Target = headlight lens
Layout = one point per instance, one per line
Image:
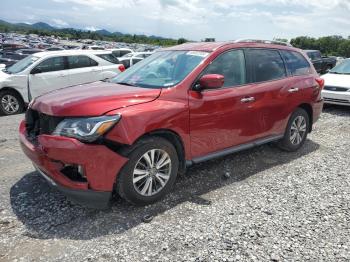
(86, 129)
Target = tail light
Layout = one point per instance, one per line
(320, 82)
(121, 68)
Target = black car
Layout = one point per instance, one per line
(321, 63)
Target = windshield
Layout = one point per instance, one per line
(22, 64)
(162, 69)
(342, 68)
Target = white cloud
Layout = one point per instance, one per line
(59, 22)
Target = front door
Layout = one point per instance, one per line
(47, 76)
(224, 117)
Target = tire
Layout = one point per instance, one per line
(10, 103)
(134, 177)
(299, 123)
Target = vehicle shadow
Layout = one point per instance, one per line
(336, 109)
(47, 214)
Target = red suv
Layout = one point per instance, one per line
(181, 106)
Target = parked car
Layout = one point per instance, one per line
(46, 71)
(337, 88)
(321, 63)
(131, 59)
(181, 106)
(119, 52)
(55, 48)
(5, 62)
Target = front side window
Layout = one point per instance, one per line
(162, 69)
(80, 61)
(231, 65)
(51, 64)
(296, 64)
(264, 65)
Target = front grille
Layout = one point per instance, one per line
(336, 88)
(38, 123)
(336, 100)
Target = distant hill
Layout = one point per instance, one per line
(73, 33)
(43, 26)
(47, 27)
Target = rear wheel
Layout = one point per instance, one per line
(150, 172)
(10, 103)
(296, 132)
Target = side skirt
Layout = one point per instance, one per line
(234, 149)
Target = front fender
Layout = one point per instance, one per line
(145, 118)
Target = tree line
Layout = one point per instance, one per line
(328, 45)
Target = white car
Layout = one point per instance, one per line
(337, 84)
(46, 71)
(133, 58)
(119, 52)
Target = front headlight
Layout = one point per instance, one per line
(86, 129)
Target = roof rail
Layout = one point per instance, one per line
(273, 42)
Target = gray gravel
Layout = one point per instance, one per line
(258, 205)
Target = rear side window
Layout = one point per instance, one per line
(110, 58)
(51, 65)
(264, 65)
(80, 61)
(296, 64)
(231, 65)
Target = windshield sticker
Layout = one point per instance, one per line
(197, 53)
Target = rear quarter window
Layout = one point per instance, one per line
(296, 63)
(264, 65)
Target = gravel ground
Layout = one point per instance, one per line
(257, 205)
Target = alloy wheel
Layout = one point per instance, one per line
(10, 104)
(298, 130)
(152, 172)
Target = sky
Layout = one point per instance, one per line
(191, 19)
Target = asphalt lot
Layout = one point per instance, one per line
(273, 206)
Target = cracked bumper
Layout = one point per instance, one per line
(100, 164)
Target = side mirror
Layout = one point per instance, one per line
(35, 71)
(211, 81)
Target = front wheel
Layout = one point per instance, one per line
(150, 172)
(296, 132)
(10, 103)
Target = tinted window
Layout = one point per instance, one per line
(124, 52)
(296, 63)
(126, 63)
(51, 64)
(80, 61)
(110, 58)
(231, 65)
(136, 60)
(265, 65)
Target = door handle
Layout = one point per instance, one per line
(293, 90)
(61, 75)
(247, 99)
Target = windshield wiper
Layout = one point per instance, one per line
(124, 83)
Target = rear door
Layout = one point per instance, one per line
(50, 74)
(224, 117)
(83, 69)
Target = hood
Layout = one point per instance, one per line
(3, 75)
(92, 99)
(337, 80)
